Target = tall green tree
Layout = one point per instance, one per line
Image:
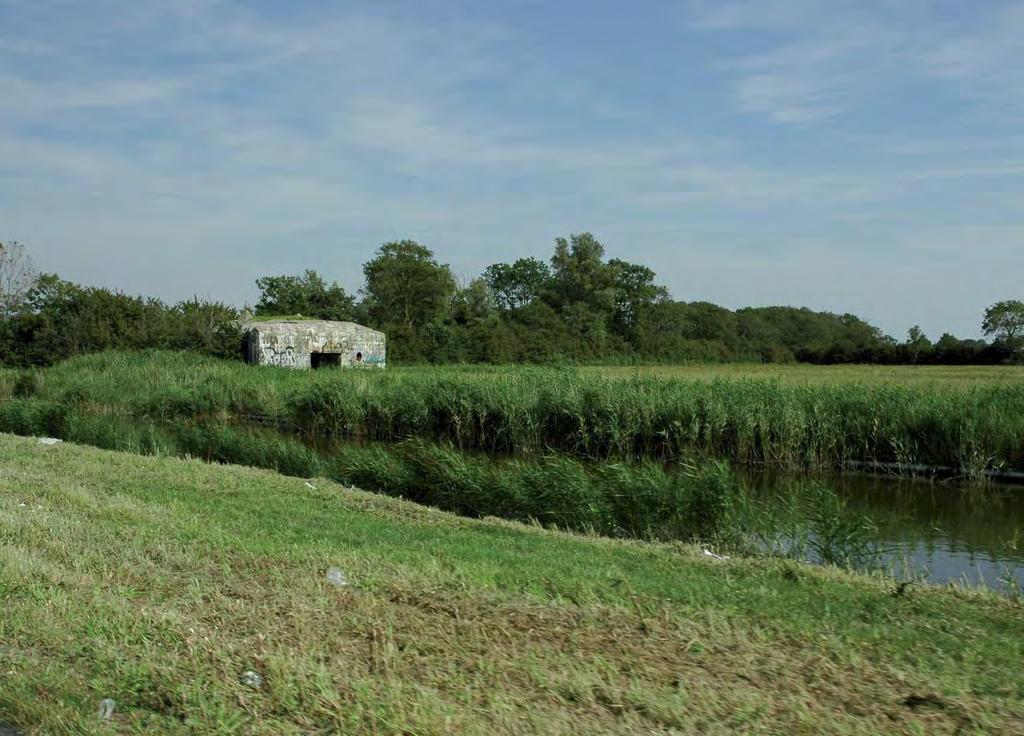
(405, 285)
(308, 295)
(580, 275)
(541, 335)
(1005, 322)
(472, 303)
(518, 284)
(917, 345)
(635, 291)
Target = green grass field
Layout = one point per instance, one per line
(903, 375)
(157, 582)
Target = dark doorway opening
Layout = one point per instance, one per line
(359, 357)
(325, 360)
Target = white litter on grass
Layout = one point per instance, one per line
(49, 441)
(106, 709)
(252, 679)
(712, 555)
(310, 486)
(336, 578)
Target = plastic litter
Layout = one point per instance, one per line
(336, 578)
(49, 441)
(712, 555)
(310, 486)
(106, 709)
(252, 679)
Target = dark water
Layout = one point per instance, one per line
(940, 532)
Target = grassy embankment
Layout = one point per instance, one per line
(158, 581)
(869, 417)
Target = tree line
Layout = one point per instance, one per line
(578, 306)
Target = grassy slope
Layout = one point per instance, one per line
(157, 581)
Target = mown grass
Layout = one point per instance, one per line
(158, 581)
(531, 410)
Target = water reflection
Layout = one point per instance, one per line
(939, 531)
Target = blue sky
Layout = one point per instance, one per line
(862, 156)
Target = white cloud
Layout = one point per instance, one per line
(22, 97)
(770, 14)
(983, 60)
(786, 98)
(824, 52)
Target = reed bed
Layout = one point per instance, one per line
(613, 499)
(709, 503)
(526, 410)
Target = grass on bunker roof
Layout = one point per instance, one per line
(157, 582)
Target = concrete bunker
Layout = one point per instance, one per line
(313, 344)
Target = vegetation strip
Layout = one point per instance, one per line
(708, 503)
(159, 582)
(577, 307)
(612, 499)
(531, 410)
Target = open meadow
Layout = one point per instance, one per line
(956, 376)
(159, 582)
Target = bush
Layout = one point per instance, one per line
(27, 384)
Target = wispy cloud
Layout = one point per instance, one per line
(983, 60)
(831, 58)
(770, 14)
(21, 97)
(787, 97)
(175, 146)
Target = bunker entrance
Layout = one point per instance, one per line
(325, 360)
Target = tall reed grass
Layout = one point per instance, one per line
(645, 500)
(526, 410)
(613, 499)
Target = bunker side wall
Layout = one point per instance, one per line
(292, 346)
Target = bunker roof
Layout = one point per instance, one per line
(321, 324)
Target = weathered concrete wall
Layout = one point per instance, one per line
(294, 343)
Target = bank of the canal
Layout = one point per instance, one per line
(932, 531)
(159, 582)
